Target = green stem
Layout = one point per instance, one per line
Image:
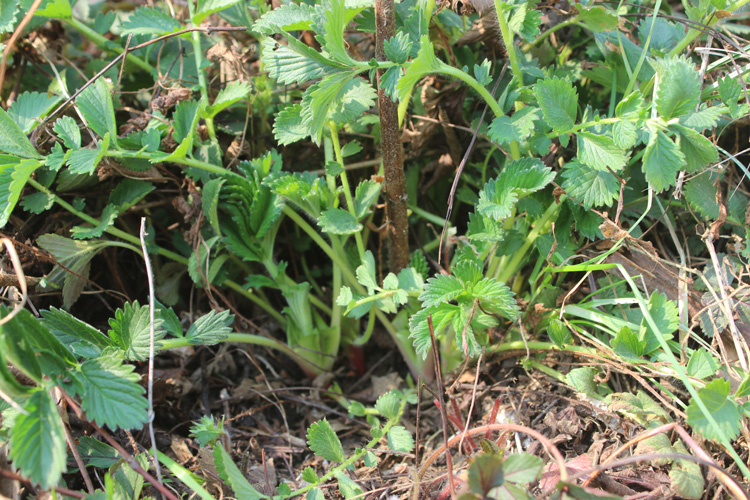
(107, 44)
(471, 82)
(190, 162)
(198, 54)
(239, 338)
(581, 126)
(546, 34)
(541, 225)
(508, 40)
(424, 214)
(345, 185)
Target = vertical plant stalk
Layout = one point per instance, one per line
(390, 142)
(151, 349)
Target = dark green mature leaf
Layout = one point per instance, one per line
(37, 203)
(150, 21)
(559, 102)
(333, 35)
(30, 107)
(95, 103)
(129, 192)
(82, 339)
(725, 411)
(338, 221)
(589, 186)
(678, 91)
(600, 152)
(131, 330)
(324, 442)
(662, 160)
(37, 441)
(13, 140)
(113, 396)
(210, 328)
(108, 217)
(699, 152)
(628, 344)
(13, 178)
(232, 475)
(518, 178)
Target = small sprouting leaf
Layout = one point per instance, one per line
(486, 473)
(399, 439)
(600, 152)
(679, 87)
(13, 140)
(232, 475)
(30, 107)
(95, 103)
(324, 442)
(482, 72)
(366, 194)
(441, 289)
(13, 178)
(150, 21)
(108, 217)
(661, 161)
(207, 430)
(208, 7)
(559, 102)
(726, 412)
(388, 404)
(232, 93)
(131, 330)
(702, 364)
(37, 441)
(113, 396)
(309, 475)
(398, 47)
(67, 129)
(81, 338)
(589, 186)
(210, 328)
(338, 221)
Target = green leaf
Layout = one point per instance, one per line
(150, 21)
(184, 114)
(687, 478)
(600, 152)
(441, 288)
(82, 339)
(8, 11)
(424, 64)
(702, 364)
(365, 195)
(678, 91)
(559, 333)
(67, 129)
(112, 395)
(338, 221)
(232, 93)
(661, 161)
(207, 430)
(699, 152)
(315, 494)
(522, 468)
(29, 108)
(289, 126)
(388, 405)
(208, 7)
(229, 472)
(630, 106)
(398, 47)
(309, 475)
(366, 272)
(597, 19)
(399, 439)
(628, 344)
(131, 330)
(107, 219)
(624, 134)
(210, 328)
(703, 119)
(37, 441)
(129, 192)
(13, 178)
(13, 140)
(589, 186)
(333, 36)
(724, 410)
(518, 127)
(485, 474)
(294, 64)
(58, 9)
(559, 102)
(37, 203)
(324, 442)
(525, 21)
(95, 103)
(85, 161)
(74, 259)
(518, 178)
(287, 17)
(348, 487)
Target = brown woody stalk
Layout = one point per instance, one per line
(393, 156)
